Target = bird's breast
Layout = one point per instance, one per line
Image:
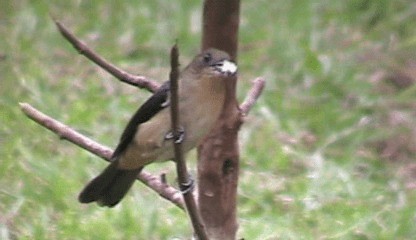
(196, 115)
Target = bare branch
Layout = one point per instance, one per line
(183, 175)
(69, 134)
(137, 81)
(252, 95)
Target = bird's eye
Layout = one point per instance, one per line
(207, 57)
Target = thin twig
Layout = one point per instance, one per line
(183, 175)
(252, 95)
(67, 133)
(135, 80)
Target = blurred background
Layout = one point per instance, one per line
(328, 152)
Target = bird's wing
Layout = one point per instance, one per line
(158, 101)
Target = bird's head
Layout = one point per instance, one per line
(214, 63)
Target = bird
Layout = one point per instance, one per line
(147, 138)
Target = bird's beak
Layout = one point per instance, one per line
(225, 67)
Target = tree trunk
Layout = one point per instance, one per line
(218, 164)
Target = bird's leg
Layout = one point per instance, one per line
(187, 186)
(177, 139)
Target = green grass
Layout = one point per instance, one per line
(315, 158)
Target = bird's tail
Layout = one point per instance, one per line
(108, 188)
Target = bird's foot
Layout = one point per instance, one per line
(187, 186)
(177, 139)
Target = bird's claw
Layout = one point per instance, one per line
(188, 186)
(177, 139)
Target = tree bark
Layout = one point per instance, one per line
(218, 156)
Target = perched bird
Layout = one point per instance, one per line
(146, 138)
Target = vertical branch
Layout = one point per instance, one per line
(220, 25)
(183, 176)
(218, 156)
